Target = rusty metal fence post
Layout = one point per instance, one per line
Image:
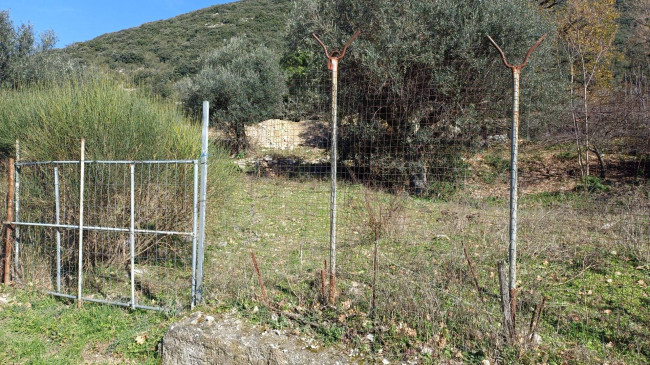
(17, 211)
(332, 64)
(514, 151)
(10, 218)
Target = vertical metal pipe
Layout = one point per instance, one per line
(82, 173)
(195, 222)
(514, 152)
(132, 235)
(17, 209)
(202, 202)
(333, 162)
(57, 206)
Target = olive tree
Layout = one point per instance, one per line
(26, 57)
(422, 81)
(244, 85)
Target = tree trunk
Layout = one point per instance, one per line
(601, 162)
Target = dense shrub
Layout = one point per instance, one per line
(50, 120)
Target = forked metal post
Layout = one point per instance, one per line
(333, 65)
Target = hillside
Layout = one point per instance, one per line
(157, 52)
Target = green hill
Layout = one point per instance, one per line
(159, 52)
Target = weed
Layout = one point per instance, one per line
(593, 184)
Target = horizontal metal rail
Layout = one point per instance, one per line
(103, 229)
(102, 301)
(156, 162)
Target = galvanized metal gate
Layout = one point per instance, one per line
(128, 233)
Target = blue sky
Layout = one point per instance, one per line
(81, 20)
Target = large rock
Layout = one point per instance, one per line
(203, 339)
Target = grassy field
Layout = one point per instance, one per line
(586, 253)
(40, 329)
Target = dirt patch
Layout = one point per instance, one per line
(100, 354)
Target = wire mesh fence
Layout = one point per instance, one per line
(423, 214)
(139, 223)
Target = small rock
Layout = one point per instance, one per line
(385, 361)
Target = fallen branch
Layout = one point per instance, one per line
(299, 319)
(534, 320)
